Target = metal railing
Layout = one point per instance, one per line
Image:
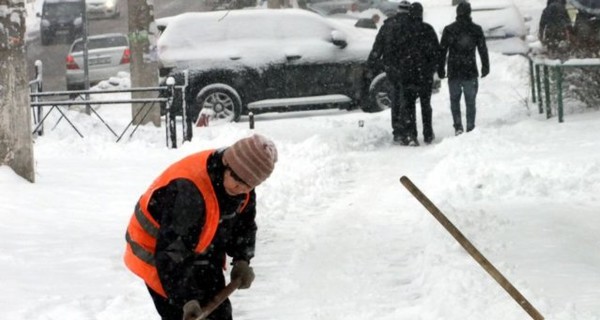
(540, 73)
(165, 96)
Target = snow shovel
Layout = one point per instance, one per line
(219, 298)
(470, 248)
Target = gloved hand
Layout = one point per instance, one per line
(241, 270)
(191, 310)
(441, 73)
(484, 71)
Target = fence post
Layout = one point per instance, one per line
(538, 81)
(189, 133)
(169, 117)
(559, 93)
(547, 91)
(39, 88)
(531, 80)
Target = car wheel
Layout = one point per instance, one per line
(380, 95)
(219, 102)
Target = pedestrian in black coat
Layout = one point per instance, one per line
(555, 27)
(420, 64)
(586, 30)
(459, 41)
(389, 49)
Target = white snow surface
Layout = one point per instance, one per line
(339, 237)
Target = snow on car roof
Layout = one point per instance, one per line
(59, 1)
(204, 38)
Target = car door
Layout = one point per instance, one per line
(257, 53)
(314, 64)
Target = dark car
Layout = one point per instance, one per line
(269, 60)
(61, 17)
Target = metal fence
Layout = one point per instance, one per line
(541, 70)
(57, 100)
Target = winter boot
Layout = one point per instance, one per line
(428, 139)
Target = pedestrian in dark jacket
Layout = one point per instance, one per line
(389, 50)
(587, 34)
(417, 79)
(555, 27)
(459, 41)
(198, 211)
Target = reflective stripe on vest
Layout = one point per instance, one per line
(143, 229)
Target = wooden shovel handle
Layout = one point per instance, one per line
(219, 298)
(470, 248)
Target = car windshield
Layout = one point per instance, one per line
(99, 43)
(62, 9)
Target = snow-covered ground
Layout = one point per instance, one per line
(339, 237)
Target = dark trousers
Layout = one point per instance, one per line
(397, 107)
(457, 87)
(169, 311)
(423, 93)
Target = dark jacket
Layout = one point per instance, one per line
(422, 53)
(459, 41)
(555, 24)
(179, 208)
(389, 44)
(587, 30)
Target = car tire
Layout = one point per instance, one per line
(380, 93)
(219, 102)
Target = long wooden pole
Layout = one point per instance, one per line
(466, 244)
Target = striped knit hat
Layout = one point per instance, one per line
(252, 159)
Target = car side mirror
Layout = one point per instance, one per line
(39, 15)
(339, 39)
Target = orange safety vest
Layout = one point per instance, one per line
(143, 229)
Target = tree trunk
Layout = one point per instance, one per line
(16, 146)
(275, 4)
(143, 66)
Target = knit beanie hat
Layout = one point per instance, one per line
(463, 9)
(252, 159)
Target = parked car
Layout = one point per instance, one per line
(108, 54)
(103, 8)
(263, 60)
(61, 17)
(332, 7)
(502, 23)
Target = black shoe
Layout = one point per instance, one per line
(398, 139)
(429, 139)
(458, 132)
(413, 142)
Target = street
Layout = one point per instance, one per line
(53, 56)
